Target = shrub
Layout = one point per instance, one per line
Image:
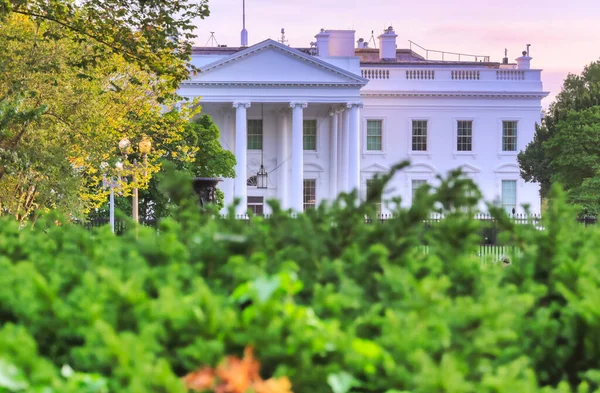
(325, 300)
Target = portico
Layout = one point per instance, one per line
(304, 117)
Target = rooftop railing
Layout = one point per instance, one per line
(450, 74)
(448, 56)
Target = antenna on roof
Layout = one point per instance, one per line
(244, 31)
(283, 40)
(372, 39)
(212, 40)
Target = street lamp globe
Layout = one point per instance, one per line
(124, 145)
(145, 145)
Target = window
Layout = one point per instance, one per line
(256, 205)
(374, 133)
(419, 135)
(509, 136)
(252, 181)
(509, 195)
(310, 134)
(464, 135)
(255, 134)
(370, 183)
(416, 184)
(310, 193)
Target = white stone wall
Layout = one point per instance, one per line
(486, 164)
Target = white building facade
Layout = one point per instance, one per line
(326, 120)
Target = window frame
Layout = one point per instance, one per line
(413, 190)
(261, 204)
(410, 136)
(516, 196)
(365, 135)
(262, 134)
(304, 196)
(379, 205)
(501, 121)
(455, 150)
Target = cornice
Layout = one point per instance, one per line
(463, 94)
(270, 84)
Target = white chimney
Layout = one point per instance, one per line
(341, 43)
(387, 44)
(322, 43)
(524, 62)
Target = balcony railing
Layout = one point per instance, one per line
(456, 78)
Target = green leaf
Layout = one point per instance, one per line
(342, 382)
(265, 287)
(11, 377)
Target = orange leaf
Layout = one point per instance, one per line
(274, 385)
(200, 380)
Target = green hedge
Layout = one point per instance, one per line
(331, 303)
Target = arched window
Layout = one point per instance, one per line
(252, 182)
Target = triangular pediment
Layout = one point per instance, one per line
(507, 168)
(376, 168)
(467, 168)
(272, 62)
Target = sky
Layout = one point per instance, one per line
(564, 35)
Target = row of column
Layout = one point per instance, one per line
(344, 153)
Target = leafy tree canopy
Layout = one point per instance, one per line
(569, 122)
(61, 117)
(198, 153)
(155, 35)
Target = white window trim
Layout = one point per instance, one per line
(412, 152)
(502, 153)
(418, 172)
(364, 150)
(517, 184)
(506, 172)
(317, 150)
(455, 151)
(364, 178)
(263, 204)
(263, 134)
(317, 182)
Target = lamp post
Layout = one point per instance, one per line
(111, 184)
(144, 147)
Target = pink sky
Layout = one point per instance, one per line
(564, 35)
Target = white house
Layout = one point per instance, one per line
(326, 119)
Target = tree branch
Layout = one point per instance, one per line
(78, 31)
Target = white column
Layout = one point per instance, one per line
(345, 151)
(282, 158)
(227, 138)
(241, 142)
(340, 151)
(354, 148)
(333, 156)
(297, 181)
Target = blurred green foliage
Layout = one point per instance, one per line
(336, 305)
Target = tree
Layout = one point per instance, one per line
(579, 93)
(199, 153)
(60, 121)
(155, 35)
(575, 152)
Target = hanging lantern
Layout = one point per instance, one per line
(261, 177)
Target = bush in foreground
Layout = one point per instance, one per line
(325, 300)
